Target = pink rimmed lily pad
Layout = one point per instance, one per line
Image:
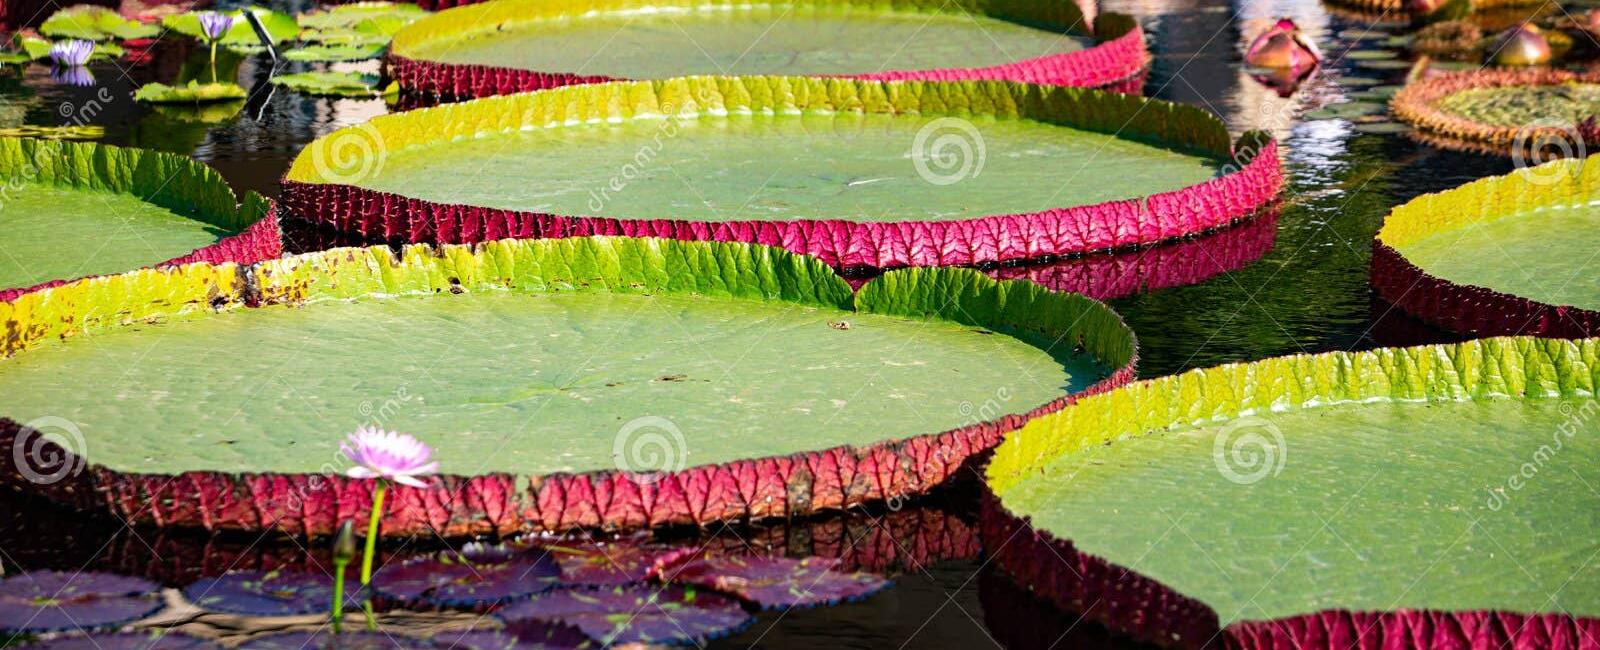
(269, 593)
(478, 579)
(135, 640)
(774, 583)
(53, 601)
(612, 565)
(633, 614)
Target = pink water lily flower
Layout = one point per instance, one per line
(214, 24)
(388, 455)
(1283, 46)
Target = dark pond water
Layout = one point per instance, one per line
(1305, 291)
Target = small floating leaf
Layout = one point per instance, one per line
(328, 53)
(610, 565)
(336, 84)
(635, 614)
(51, 601)
(349, 15)
(192, 93)
(267, 593)
(135, 640)
(325, 639)
(453, 580)
(780, 582)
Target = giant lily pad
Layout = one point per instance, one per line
(1389, 498)
(54, 601)
(269, 593)
(637, 614)
(1510, 254)
(517, 45)
(86, 209)
(675, 382)
(1520, 112)
(779, 583)
(859, 173)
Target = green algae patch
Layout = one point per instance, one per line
(1275, 499)
(1517, 106)
(689, 379)
(662, 40)
(852, 166)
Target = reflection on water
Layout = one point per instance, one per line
(1302, 289)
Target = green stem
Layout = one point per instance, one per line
(338, 593)
(213, 62)
(372, 545)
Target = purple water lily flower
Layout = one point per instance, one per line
(214, 24)
(388, 455)
(71, 53)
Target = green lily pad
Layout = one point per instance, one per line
(343, 37)
(1346, 110)
(280, 27)
(651, 39)
(93, 23)
(1448, 478)
(845, 164)
(708, 366)
(1537, 243)
(1371, 55)
(70, 132)
(349, 15)
(14, 57)
(331, 53)
(95, 209)
(647, 357)
(1382, 128)
(336, 84)
(1383, 64)
(191, 93)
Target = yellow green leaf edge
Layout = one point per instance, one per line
(468, 21)
(613, 264)
(1507, 367)
(1166, 124)
(177, 183)
(1558, 184)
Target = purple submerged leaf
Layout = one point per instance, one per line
(138, 640)
(482, 577)
(780, 582)
(270, 593)
(552, 638)
(654, 614)
(52, 601)
(616, 564)
(325, 639)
